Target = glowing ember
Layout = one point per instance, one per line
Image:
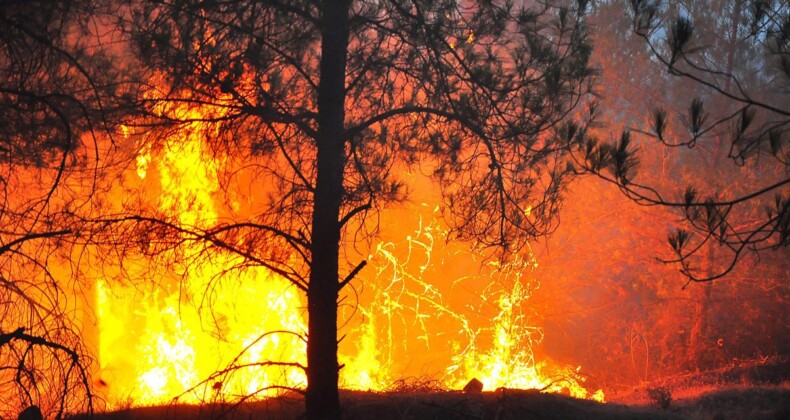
(409, 320)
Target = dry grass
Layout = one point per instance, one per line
(753, 391)
(763, 402)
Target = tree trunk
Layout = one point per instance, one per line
(700, 341)
(322, 399)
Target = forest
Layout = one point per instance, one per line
(429, 208)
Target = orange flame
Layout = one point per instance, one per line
(158, 344)
(211, 335)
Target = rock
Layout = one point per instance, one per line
(474, 387)
(31, 413)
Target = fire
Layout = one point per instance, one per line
(167, 342)
(208, 330)
(495, 347)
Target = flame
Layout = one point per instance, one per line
(210, 332)
(158, 344)
(495, 349)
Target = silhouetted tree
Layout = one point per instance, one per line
(323, 103)
(55, 82)
(742, 69)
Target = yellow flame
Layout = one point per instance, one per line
(160, 342)
(499, 353)
(157, 343)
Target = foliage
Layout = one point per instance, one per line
(56, 88)
(427, 98)
(606, 299)
(746, 124)
(321, 104)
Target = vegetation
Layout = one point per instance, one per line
(315, 116)
(58, 95)
(744, 75)
(326, 99)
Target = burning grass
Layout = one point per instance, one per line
(752, 390)
(216, 330)
(758, 389)
(731, 402)
(746, 375)
(418, 308)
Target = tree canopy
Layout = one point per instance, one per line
(58, 88)
(736, 90)
(325, 102)
(313, 115)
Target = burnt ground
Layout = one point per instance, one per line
(757, 391)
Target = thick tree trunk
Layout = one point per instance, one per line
(322, 399)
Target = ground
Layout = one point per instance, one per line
(732, 402)
(753, 391)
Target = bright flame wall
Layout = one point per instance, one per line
(211, 330)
